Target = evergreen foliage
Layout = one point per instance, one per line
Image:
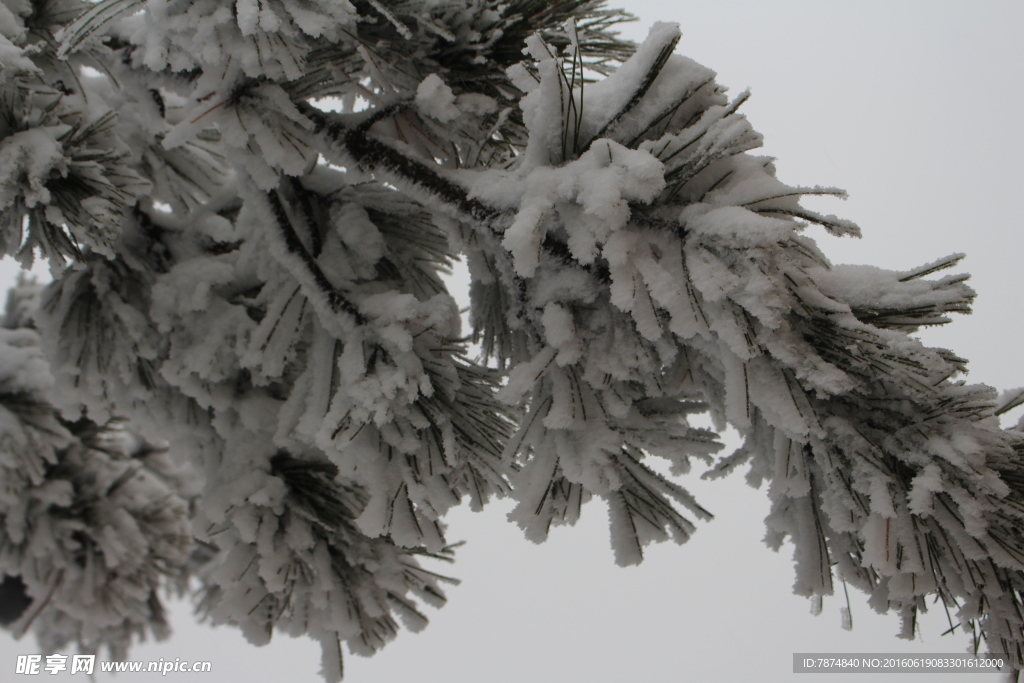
(248, 372)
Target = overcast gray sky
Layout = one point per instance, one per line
(914, 108)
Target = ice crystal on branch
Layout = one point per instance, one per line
(254, 278)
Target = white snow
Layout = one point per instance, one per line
(435, 99)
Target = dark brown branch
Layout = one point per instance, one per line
(306, 206)
(336, 299)
(372, 155)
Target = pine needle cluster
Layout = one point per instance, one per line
(249, 211)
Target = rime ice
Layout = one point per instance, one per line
(248, 372)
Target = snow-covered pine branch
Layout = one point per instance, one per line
(255, 281)
(96, 520)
